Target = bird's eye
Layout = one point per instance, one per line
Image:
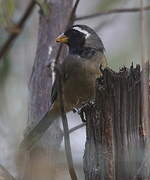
(75, 36)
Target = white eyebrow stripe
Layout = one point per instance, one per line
(87, 34)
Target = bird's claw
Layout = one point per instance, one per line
(81, 110)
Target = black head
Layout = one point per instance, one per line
(76, 39)
(79, 38)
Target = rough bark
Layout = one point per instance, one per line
(41, 160)
(116, 141)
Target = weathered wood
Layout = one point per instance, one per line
(115, 145)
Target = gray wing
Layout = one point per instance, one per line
(65, 69)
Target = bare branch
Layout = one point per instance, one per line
(31, 138)
(112, 11)
(19, 26)
(4, 174)
(66, 133)
(76, 127)
(72, 15)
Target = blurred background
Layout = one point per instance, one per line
(120, 34)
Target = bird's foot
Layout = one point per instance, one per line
(81, 110)
(81, 113)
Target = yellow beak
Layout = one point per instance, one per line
(62, 39)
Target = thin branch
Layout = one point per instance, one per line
(36, 133)
(72, 15)
(66, 133)
(19, 26)
(4, 174)
(76, 127)
(113, 11)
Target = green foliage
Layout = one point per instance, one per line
(6, 12)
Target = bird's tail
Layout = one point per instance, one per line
(36, 133)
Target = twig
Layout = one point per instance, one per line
(76, 127)
(113, 11)
(20, 26)
(35, 134)
(4, 174)
(66, 133)
(72, 15)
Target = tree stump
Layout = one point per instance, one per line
(116, 143)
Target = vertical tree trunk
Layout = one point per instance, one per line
(41, 164)
(115, 146)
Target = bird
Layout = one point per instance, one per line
(79, 71)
